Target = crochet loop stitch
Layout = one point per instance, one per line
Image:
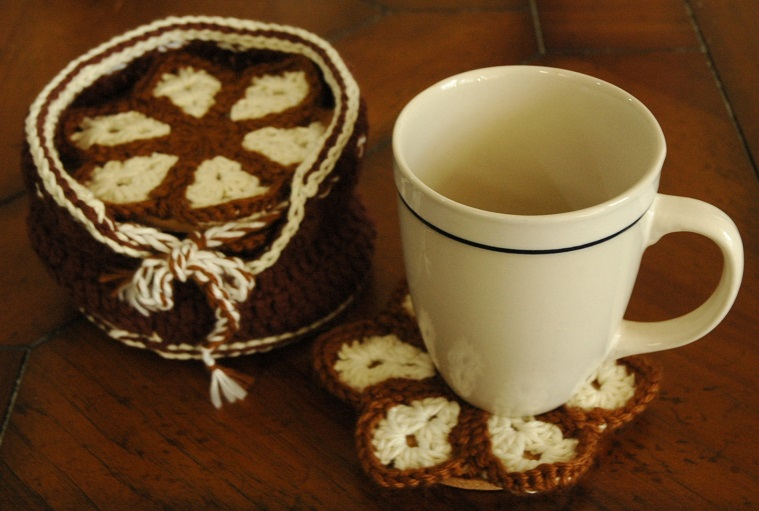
(150, 214)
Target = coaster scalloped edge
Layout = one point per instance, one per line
(413, 431)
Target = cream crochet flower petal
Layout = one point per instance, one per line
(284, 145)
(121, 182)
(221, 180)
(191, 90)
(271, 94)
(610, 387)
(116, 129)
(409, 434)
(376, 359)
(416, 435)
(524, 443)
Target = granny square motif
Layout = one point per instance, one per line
(191, 185)
(413, 431)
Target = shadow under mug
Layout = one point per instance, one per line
(527, 196)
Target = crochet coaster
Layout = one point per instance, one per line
(204, 136)
(191, 184)
(414, 431)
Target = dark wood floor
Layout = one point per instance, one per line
(87, 423)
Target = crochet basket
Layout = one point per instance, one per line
(191, 185)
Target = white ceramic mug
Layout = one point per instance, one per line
(527, 197)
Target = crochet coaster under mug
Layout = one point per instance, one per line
(413, 431)
(191, 186)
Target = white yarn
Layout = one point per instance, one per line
(525, 443)
(132, 180)
(221, 180)
(151, 289)
(375, 359)
(111, 130)
(186, 351)
(271, 94)
(361, 146)
(285, 145)
(130, 239)
(191, 90)
(610, 387)
(221, 384)
(165, 256)
(416, 435)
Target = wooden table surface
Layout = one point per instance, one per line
(88, 423)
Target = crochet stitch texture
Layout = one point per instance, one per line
(191, 186)
(412, 430)
(203, 137)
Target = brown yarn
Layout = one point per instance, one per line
(403, 393)
(645, 370)
(194, 140)
(472, 464)
(316, 275)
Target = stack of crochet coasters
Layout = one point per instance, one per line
(413, 431)
(191, 185)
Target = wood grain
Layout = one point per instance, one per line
(729, 32)
(620, 25)
(98, 425)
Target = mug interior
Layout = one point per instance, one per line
(527, 140)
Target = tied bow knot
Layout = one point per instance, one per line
(150, 288)
(225, 282)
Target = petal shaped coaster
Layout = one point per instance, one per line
(413, 431)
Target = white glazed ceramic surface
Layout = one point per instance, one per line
(520, 302)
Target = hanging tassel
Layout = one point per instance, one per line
(225, 383)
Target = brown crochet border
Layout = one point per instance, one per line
(46, 157)
(472, 464)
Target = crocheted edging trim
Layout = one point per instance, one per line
(141, 241)
(230, 349)
(413, 431)
(226, 281)
(158, 247)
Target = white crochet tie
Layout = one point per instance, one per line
(225, 281)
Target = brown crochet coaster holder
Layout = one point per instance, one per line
(191, 185)
(412, 431)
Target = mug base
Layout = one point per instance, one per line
(414, 431)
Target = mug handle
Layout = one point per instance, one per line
(670, 214)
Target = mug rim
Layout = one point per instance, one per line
(554, 232)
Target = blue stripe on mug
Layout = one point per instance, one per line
(515, 250)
